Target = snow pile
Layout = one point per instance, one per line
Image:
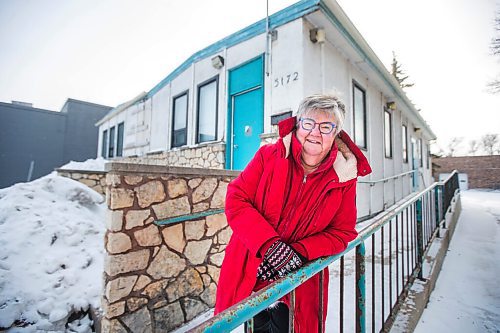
(88, 165)
(51, 262)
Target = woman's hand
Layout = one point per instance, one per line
(266, 272)
(282, 258)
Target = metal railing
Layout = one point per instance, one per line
(390, 189)
(385, 180)
(380, 265)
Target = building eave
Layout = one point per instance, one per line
(120, 108)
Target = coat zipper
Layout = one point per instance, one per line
(299, 193)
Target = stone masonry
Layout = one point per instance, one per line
(96, 180)
(156, 278)
(202, 156)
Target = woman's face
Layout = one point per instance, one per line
(315, 145)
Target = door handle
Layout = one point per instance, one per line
(235, 146)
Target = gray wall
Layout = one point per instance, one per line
(48, 138)
(80, 129)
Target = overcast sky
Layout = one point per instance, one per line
(109, 51)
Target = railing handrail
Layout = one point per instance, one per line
(383, 180)
(442, 182)
(250, 306)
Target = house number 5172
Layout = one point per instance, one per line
(286, 79)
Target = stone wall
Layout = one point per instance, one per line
(210, 155)
(96, 180)
(482, 171)
(159, 277)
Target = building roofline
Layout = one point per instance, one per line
(30, 108)
(120, 108)
(84, 102)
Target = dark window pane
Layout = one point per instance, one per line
(111, 149)
(179, 121)
(104, 147)
(388, 133)
(119, 144)
(405, 143)
(359, 117)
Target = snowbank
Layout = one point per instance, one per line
(88, 165)
(51, 263)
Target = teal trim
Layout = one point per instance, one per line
(360, 288)
(188, 217)
(284, 16)
(420, 235)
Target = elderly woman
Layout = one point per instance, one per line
(293, 203)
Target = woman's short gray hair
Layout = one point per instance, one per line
(326, 103)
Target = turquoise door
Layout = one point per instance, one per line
(245, 113)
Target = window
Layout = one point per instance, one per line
(119, 143)
(420, 155)
(388, 133)
(359, 116)
(428, 155)
(405, 143)
(111, 147)
(179, 121)
(207, 111)
(104, 147)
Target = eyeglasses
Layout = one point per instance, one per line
(308, 124)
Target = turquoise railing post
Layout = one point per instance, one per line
(420, 236)
(437, 209)
(360, 288)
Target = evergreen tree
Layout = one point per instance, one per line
(398, 73)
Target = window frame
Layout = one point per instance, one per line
(388, 154)
(428, 155)
(355, 86)
(198, 88)
(111, 142)
(404, 134)
(184, 93)
(119, 143)
(104, 144)
(420, 152)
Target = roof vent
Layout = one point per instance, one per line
(29, 105)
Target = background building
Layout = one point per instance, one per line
(475, 171)
(35, 141)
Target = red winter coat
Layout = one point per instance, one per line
(271, 199)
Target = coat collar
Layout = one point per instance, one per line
(349, 161)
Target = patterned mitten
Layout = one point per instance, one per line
(282, 258)
(266, 273)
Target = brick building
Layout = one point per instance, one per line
(482, 171)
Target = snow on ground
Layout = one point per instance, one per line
(467, 293)
(88, 165)
(51, 262)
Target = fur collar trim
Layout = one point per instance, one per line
(345, 164)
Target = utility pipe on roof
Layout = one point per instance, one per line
(267, 38)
